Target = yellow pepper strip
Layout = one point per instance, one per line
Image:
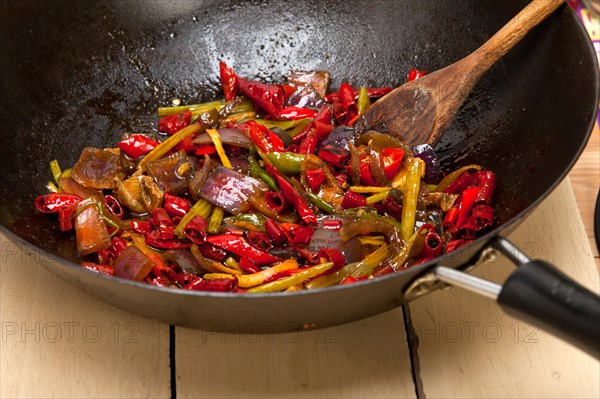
(55, 168)
(297, 278)
(372, 240)
(65, 173)
(195, 108)
(163, 148)
(446, 181)
(52, 187)
(252, 280)
(368, 189)
(411, 248)
(416, 169)
(216, 139)
(201, 208)
(214, 276)
(297, 287)
(371, 262)
(233, 264)
(377, 197)
(237, 118)
(211, 265)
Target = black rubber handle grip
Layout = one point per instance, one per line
(539, 293)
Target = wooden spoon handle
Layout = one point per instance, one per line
(511, 33)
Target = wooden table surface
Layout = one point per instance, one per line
(58, 341)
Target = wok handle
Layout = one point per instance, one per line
(538, 292)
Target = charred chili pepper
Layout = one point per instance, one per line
(335, 155)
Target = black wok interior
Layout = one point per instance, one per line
(76, 74)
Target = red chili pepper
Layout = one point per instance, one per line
(65, 218)
(465, 205)
(371, 92)
(171, 124)
(102, 269)
(309, 143)
(205, 149)
(295, 113)
(387, 269)
(154, 239)
(315, 177)
(143, 227)
(415, 74)
(366, 177)
(233, 231)
(195, 230)
(324, 115)
(432, 246)
(353, 200)
(276, 201)
(212, 252)
(335, 155)
(483, 216)
(348, 102)
(390, 207)
(301, 235)
(468, 229)
(288, 90)
(187, 144)
(268, 97)
(455, 244)
(350, 279)
(216, 285)
(240, 247)
(332, 255)
(137, 145)
(259, 240)
(450, 219)
(262, 137)
(176, 206)
(292, 196)
(463, 181)
(164, 226)
(248, 266)
(486, 181)
(158, 281)
(391, 159)
(310, 256)
(229, 81)
(275, 232)
(114, 206)
(54, 202)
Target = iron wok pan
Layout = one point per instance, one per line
(77, 74)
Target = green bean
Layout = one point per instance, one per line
(194, 108)
(55, 168)
(285, 162)
(254, 219)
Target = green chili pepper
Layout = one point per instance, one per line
(285, 162)
(416, 169)
(215, 220)
(363, 101)
(320, 202)
(297, 278)
(254, 219)
(258, 172)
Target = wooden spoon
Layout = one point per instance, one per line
(420, 111)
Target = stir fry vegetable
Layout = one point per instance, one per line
(269, 190)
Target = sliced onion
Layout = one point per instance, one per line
(230, 190)
(327, 238)
(385, 141)
(199, 177)
(228, 136)
(306, 97)
(340, 136)
(132, 264)
(433, 169)
(185, 260)
(354, 164)
(375, 164)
